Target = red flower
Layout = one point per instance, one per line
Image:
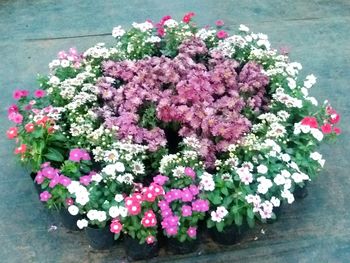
(149, 219)
(160, 31)
(39, 93)
(21, 149)
(29, 127)
(326, 128)
(164, 18)
(149, 195)
(187, 18)
(337, 130)
(310, 121)
(12, 133)
(335, 118)
(222, 34)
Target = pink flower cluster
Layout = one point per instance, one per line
(116, 226)
(72, 55)
(53, 175)
(76, 155)
(188, 197)
(205, 96)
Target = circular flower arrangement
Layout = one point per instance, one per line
(171, 126)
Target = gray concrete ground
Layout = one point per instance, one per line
(316, 229)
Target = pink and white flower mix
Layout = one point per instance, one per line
(170, 124)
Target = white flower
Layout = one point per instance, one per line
(285, 157)
(115, 211)
(143, 26)
(109, 169)
(73, 186)
(279, 179)
(275, 201)
(73, 210)
(111, 156)
(262, 169)
(92, 214)
(244, 175)
(207, 183)
(265, 185)
(96, 178)
(297, 177)
(138, 167)
(170, 23)
(287, 195)
(221, 211)
(178, 171)
(292, 83)
(243, 28)
(312, 100)
(101, 216)
(119, 167)
(118, 198)
(215, 217)
(54, 81)
(82, 223)
(118, 31)
(153, 39)
(317, 157)
(318, 135)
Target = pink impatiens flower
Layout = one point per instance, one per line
(192, 232)
(39, 93)
(45, 196)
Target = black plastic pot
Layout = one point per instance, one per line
(229, 236)
(177, 247)
(300, 192)
(36, 186)
(69, 221)
(136, 251)
(277, 211)
(99, 238)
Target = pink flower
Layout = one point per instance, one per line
(54, 181)
(219, 23)
(85, 155)
(17, 94)
(200, 205)
(187, 18)
(29, 127)
(186, 210)
(45, 164)
(192, 232)
(186, 195)
(190, 172)
(39, 93)
(39, 178)
(116, 227)
(310, 121)
(160, 179)
(21, 149)
(16, 117)
(194, 189)
(12, 109)
(149, 219)
(172, 230)
(64, 180)
(75, 155)
(160, 31)
(69, 201)
(12, 133)
(337, 130)
(222, 34)
(62, 54)
(150, 240)
(25, 93)
(149, 195)
(45, 196)
(163, 205)
(85, 180)
(326, 128)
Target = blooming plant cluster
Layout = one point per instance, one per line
(172, 125)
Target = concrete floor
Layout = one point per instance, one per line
(316, 229)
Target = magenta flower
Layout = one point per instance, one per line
(17, 94)
(85, 180)
(85, 155)
(12, 109)
(64, 180)
(62, 54)
(172, 230)
(39, 178)
(200, 205)
(190, 172)
(186, 210)
(15, 117)
(194, 189)
(39, 93)
(54, 181)
(219, 23)
(49, 172)
(192, 232)
(163, 205)
(45, 164)
(75, 155)
(160, 179)
(186, 195)
(69, 201)
(222, 34)
(45, 196)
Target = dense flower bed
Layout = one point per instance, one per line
(171, 126)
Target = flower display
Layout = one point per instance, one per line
(172, 125)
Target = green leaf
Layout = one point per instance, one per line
(220, 226)
(250, 213)
(238, 219)
(54, 155)
(251, 222)
(224, 191)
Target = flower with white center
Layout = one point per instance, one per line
(118, 198)
(118, 32)
(178, 171)
(109, 170)
(275, 201)
(243, 28)
(262, 169)
(82, 223)
(111, 156)
(73, 210)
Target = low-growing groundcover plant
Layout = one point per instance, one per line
(172, 125)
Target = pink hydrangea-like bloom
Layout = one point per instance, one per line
(192, 232)
(45, 196)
